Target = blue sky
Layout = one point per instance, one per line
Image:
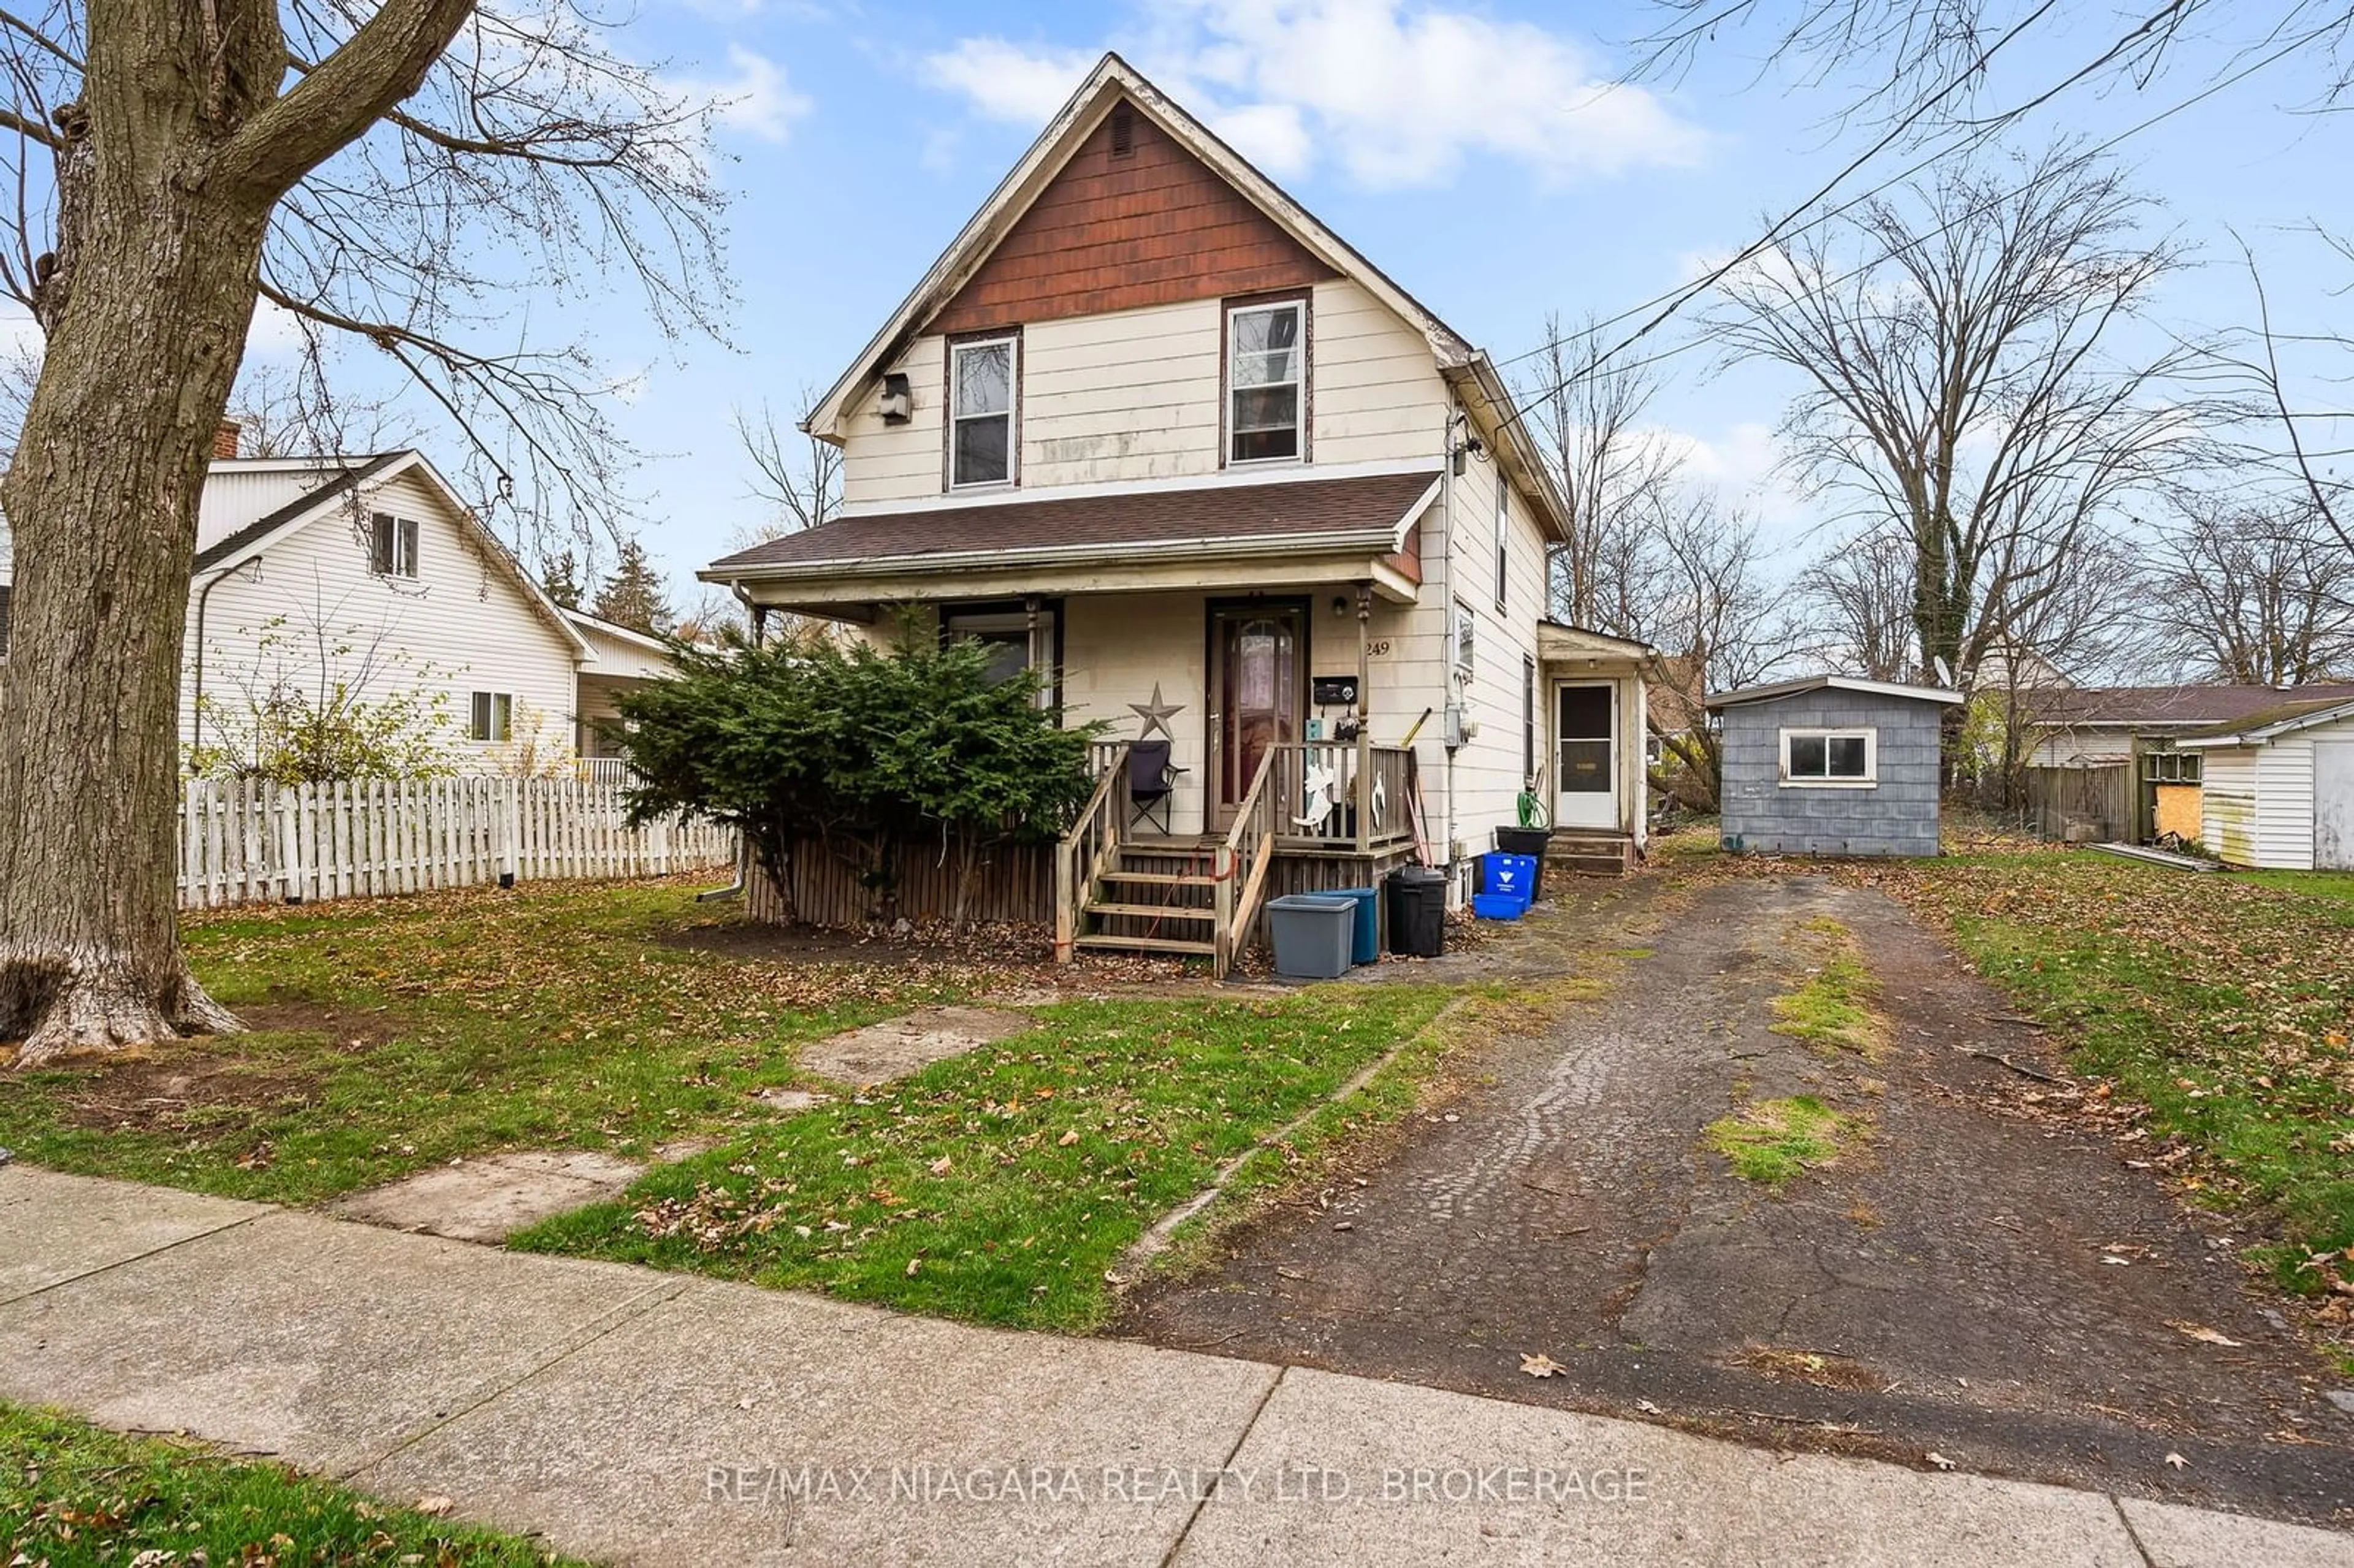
(1473, 150)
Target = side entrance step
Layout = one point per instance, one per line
(1590, 853)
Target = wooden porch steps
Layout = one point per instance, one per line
(1583, 853)
(1098, 941)
(1160, 878)
(1152, 911)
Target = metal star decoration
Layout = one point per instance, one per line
(1156, 713)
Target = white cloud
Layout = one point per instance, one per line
(1009, 81)
(1395, 94)
(758, 100)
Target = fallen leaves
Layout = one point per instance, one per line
(1540, 1366)
(2201, 1333)
(2177, 1462)
(1937, 1460)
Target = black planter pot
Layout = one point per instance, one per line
(1522, 841)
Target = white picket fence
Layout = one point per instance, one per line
(254, 842)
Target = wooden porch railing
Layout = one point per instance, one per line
(1100, 755)
(1092, 844)
(1243, 861)
(1341, 795)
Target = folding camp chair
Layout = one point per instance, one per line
(1152, 783)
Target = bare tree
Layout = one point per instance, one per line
(1618, 474)
(389, 172)
(1958, 394)
(1856, 602)
(296, 411)
(1709, 609)
(2260, 593)
(798, 475)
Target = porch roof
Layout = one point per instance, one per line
(1365, 513)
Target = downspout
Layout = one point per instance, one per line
(1446, 660)
(197, 693)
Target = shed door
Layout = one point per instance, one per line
(2333, 805)
(1586, 777)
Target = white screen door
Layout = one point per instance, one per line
(1586, 756)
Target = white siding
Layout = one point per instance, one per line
(315, 613)
(1377, 395)
(236, 494)
(1136, 396)
(2284, 802)
(2228, 805)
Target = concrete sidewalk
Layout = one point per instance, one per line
(636, 1416)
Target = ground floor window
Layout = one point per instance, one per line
(1014, 641)
(1831, 757)
(493, 716)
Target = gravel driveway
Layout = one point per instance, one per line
(1982, 1282)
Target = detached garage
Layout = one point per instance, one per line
(2279, 789)
(1831, 765)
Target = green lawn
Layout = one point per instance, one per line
(73, 1496)
(1001, 1186)
(399, 1034)
(2222, 1003)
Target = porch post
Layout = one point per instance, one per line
(1365, 791)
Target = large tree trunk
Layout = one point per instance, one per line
(168, 170)
(101, 498)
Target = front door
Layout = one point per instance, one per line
(1256, 655)
(1586, 770)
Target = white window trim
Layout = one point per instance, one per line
(1300, 404)
(1011, 343)
(494, 738)
(1868, 734)
(1503, 540)
(403, 529)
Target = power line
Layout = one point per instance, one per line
(1676, 299)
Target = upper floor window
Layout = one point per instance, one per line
(392, 545)
(1266, 382)
(1503, 536)
(981, 381)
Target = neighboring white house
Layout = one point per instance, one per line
(2279, 786)
(1172, 442)
(370, 572)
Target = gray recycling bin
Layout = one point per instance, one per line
(1312, 934)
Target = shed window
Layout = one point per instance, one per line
(1830, 758)
(493, 716)
(981, 381)
(392, 545)
(2171, 767)
(1266, 382)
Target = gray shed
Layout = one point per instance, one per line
(1831, 765)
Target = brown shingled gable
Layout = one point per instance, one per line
(1150, 227)
(1175, 515)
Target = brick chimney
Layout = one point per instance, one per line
(225, 440)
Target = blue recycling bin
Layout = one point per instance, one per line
(1509, 876)
(1367, 946)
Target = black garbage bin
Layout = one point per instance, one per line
(1418, 900)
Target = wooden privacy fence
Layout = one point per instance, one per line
(253, 842)
(1017, 882)
(2100, 800)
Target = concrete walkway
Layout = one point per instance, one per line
(635, 1417)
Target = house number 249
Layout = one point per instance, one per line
(1378, 647)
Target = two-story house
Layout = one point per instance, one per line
(1154, 429)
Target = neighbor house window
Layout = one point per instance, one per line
(392, 547)
(1466, 639)
(1012, 642)
(1830, 758)
(1266, 382)
(982, 380)
(2171, 767)
(494, 717)
(1503, 538)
